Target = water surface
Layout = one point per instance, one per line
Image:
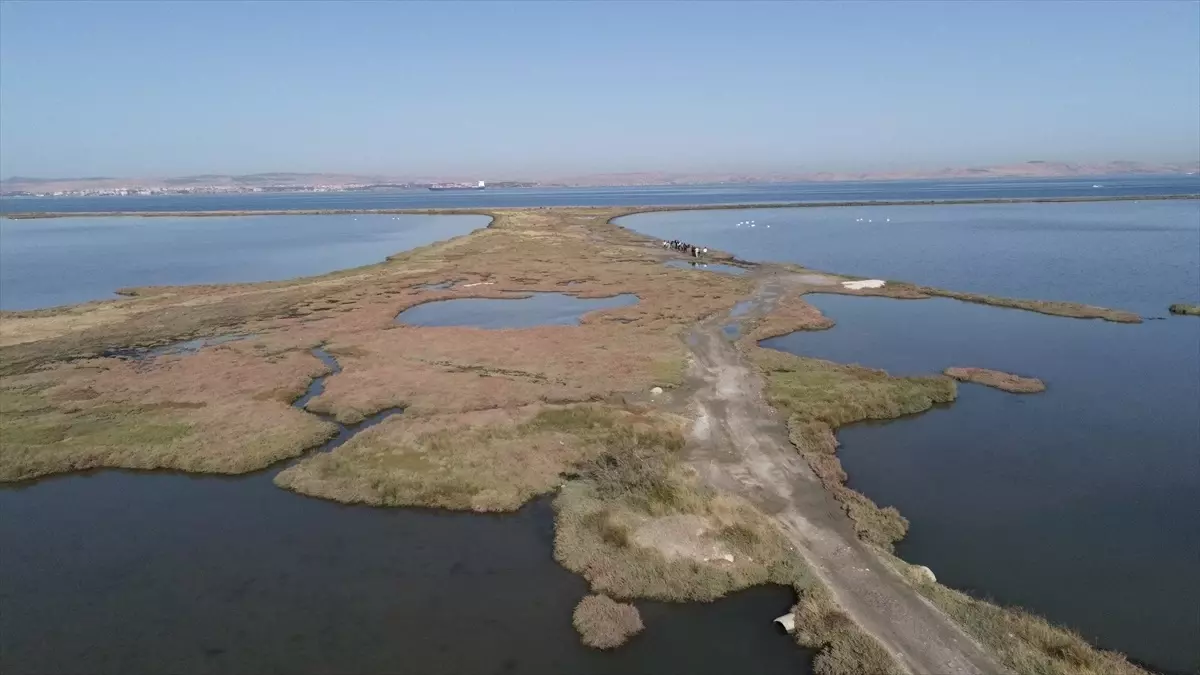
(1078, 503)
(57, 261)
(722, 193)
(126, 573)
(1140, 256)
(539, 309)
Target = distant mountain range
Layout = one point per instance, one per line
(1031, 169)
(285, 180)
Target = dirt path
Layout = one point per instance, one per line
(740, 444)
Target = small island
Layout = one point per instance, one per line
(1014, 384)
(604, 623)
(1184, 310)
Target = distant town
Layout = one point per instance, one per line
(20, 186)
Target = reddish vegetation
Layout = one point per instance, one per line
(1014, 384)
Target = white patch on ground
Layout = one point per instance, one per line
(479, 283)
(682, 536)
(702, 427)
(816, 279)
(865, 283)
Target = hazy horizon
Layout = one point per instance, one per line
(539, 90)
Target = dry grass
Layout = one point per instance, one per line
(604, 623)
(843, 648)
(1014, 384)
(493, 460)
(236, 417)
(224, 410)
(636, 525)
(788, 315)
(1067, 309)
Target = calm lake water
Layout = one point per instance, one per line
(59, 261)
(741, 193)
(1079, 503)
(128, 573)
(1140, 256)
(539, 309)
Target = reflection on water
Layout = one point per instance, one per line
(1078, 503)
(540, 309)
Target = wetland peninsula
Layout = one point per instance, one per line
(677, 464)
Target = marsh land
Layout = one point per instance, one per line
(680, 464)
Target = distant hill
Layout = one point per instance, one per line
(1030, 169)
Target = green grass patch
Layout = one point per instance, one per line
(820, 396)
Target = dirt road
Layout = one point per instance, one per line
(739, 444)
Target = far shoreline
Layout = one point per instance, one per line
(633, 209)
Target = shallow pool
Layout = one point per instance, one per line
(539, 309)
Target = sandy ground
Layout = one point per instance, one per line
(739, 444)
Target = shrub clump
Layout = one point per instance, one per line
(604, 623)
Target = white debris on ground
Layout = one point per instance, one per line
(480, 283)
(925, 574)
(656, 391)
(865, 283)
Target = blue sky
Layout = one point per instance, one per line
(538, 89)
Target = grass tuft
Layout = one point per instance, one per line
(604, 623)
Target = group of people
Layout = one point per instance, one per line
(677, 245)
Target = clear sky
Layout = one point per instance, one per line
(538, 89)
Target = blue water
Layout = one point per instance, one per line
(59, 261)
(1079, 503)
(122, 573)
(741, 193)
(1140, 256)
(539, 309)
